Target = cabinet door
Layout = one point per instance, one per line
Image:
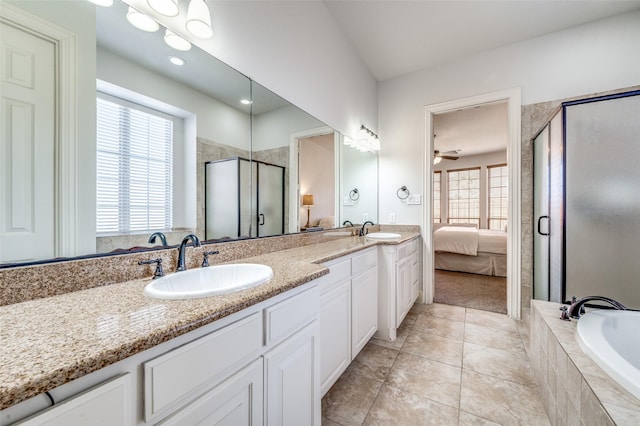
(106, 404)
(293, 380)
(364, 306)
(402, 290)
(238, 401)
(335, 333)
(414, 266)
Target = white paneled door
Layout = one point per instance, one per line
(27, 145)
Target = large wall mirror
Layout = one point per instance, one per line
(240, 159)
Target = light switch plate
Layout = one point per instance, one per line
(413, 199)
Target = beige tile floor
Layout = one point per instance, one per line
(449, 366)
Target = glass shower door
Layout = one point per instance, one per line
(270, 199)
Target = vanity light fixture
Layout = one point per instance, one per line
(104, 3)
(174, 40)
(165, 7)
(176, 61)
(199, 19)
(246, 102)
(367, 141)
(142, 21)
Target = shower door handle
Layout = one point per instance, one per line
(539, 227)
(261, 216)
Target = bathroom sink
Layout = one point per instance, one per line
(210, 281)
(383, 235)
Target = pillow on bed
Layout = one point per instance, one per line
(327, 222)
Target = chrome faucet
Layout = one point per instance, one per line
(181, 250)
(363, 229)
(576, 308)
(163, 239)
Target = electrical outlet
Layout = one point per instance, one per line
(365, 217)
(414, 199)
(392, 218)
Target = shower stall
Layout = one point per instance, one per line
(243, 198)
(587, 201)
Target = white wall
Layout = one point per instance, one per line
(274, 129)
(295, 49)
(590, 58)
(359, 171)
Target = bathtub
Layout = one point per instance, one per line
(612, 340)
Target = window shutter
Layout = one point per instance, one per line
(134, 169)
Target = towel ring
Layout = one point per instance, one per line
(403, 190)
(354, 195)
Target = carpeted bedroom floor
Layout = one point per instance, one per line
(471, 291)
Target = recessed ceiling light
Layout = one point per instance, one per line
(175, 41)
(246, 102)
(165, 7)
(142, 21)
(176, 61)
(105, 3)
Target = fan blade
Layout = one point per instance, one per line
(448, 157)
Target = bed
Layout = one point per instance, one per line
(472, 250)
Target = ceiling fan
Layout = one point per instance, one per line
(449, 155)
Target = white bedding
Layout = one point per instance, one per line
(469, 241)
(456, 239)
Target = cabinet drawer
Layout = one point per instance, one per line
(339, 272)
(175, 378)
(363, 261)
(288, 316)
(105, 404)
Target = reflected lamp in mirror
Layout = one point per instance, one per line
(307, 201)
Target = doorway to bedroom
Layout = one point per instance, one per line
(470, 202)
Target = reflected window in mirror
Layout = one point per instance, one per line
(134, 157)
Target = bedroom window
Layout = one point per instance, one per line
(464, 196)
(498, 177)
(134, 191)
(437, 215)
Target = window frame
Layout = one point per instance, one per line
(168, 199)
(504, 200)
(458, 219)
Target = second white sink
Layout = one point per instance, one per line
(383, 235)
(211, 281)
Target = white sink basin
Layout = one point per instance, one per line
(211, 281)
(383, 235)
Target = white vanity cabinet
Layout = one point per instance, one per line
(260, 365)
(399, 285)
(348, 311)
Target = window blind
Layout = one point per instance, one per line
(134, 169)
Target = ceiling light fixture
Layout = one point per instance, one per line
(174, 40)
(165, 7)
(436, 160)
(199, 19)
(142, 21)
(176, 61)
(105, 3)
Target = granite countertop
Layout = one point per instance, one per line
(49, 342)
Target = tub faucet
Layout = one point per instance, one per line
(181, 250)
(163, 239)
(575, 310)
(363, 230)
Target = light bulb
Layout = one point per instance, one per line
(199, 19)
(165, 7)
(176, 61)
(142, 21)
(174, 40)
